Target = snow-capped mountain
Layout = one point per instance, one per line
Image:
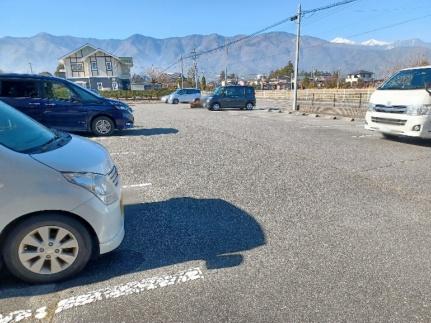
(370, 42)
(260, 54)
(340, 40)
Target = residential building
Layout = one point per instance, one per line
(356, 77)
(97, 69)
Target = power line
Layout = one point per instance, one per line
(243, 38)
(330, 6)
(389, 26)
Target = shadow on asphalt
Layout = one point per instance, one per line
(161, 234)
(410, 140)
(136, 132)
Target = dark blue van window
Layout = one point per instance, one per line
(19, 89)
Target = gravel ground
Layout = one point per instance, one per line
(276, 217)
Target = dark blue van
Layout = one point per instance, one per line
(63, 105)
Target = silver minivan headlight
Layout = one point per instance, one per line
(419, 110)
(100, 185)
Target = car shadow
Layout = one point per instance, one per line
(161, 234)
(137, 132)
(145, 132)
(409, 140)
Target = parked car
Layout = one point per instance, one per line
(242, 97)
(63, 105)
(57, 209)
(165, 98)
(402, 105)
(184, 96)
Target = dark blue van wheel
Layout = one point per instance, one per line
(102, 126)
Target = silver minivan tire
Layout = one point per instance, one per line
(60, 243)
(175, 101)
(249, 106)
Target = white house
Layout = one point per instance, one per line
(357, 76)
(95, 68)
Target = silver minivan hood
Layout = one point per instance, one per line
(78, 155)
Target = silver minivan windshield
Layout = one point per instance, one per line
(414, 79)
(20, 133)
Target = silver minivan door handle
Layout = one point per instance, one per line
(50, 104)
(34, 103)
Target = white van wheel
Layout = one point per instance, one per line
(47, 248)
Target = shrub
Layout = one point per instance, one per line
(144, 94)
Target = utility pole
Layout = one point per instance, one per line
(195, 66)
(225, 70)
(298, 40)
(31, 68)
(182, 72)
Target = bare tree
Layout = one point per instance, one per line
(157, 76)
(412, 61)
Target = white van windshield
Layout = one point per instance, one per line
(20, 133)
(408, 80)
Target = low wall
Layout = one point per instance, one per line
(346, 102)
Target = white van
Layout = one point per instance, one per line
(60, 200)
(402, 105)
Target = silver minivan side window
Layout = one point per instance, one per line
(21, 133)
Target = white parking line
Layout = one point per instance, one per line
(134, 287)
(123, 153)
(137, 185)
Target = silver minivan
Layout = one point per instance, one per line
(60, 200)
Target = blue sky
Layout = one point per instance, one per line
(170, 18)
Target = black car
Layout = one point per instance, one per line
(242, 97)
(61, 104)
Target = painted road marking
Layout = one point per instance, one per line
(134, 287)
(124, 153)
(137, 185)
(364, 136)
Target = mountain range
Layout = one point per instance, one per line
(257, 55)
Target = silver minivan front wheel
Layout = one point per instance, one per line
(46, 248)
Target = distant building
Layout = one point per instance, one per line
(356, 77)
(97, 69)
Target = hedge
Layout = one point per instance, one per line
(137, 95)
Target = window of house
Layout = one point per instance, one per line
(19, 89)
(77, 67)
(94, 66)
(109, 66)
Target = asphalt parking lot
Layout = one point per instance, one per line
(254, 216)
